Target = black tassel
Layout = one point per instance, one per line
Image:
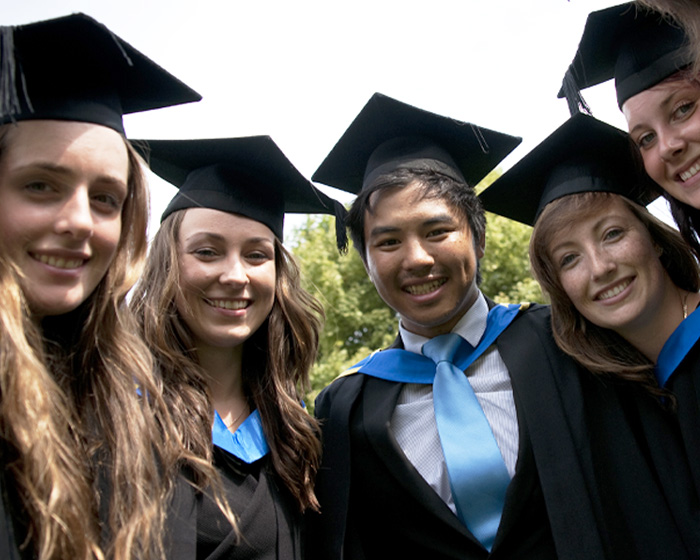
(9, 97)
(576, 102)
(341, 234)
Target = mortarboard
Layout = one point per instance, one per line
(248, 176)
(582, 155)
(388, 134)
(636, 46)
(74, 68)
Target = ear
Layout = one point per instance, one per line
(480, 247)
(658, 249)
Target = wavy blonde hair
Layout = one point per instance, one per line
(276, 363)
(80, 444)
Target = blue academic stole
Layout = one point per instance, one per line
(408, 367)
(248, 442)
(677, 347)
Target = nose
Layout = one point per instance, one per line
(75, 216)
(234, 273)
(417, 257)
(671, 145)
(601, 264)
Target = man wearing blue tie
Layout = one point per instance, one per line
(421, 460)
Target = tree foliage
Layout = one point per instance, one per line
(358, 321)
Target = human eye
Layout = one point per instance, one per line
(567, 260)
(683, 110)
(439, 231)
(38, 187)
(108, 202)
(204, 253)
(612, 233)
(645, 140)
(259, 256)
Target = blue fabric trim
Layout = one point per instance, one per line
(248, 442)
(677, 347)
(408, 367)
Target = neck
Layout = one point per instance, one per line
(650, 338)
(222, 367)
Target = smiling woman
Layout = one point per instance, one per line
(623, 288)
(655, 73)
(234, 336)
(89, 466)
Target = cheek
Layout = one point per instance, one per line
(573, 285)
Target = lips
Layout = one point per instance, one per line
(689, 173)
(615, 290)
(425, 288)
(228, 303)
(59, 262)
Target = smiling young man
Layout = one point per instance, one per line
(522, 480)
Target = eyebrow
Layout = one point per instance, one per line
(65, 171)
(664, 103)
(433, 220)
(218, 237)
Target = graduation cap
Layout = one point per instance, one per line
(582, 155)
(248, 176)
(388, 134)
(74, 68)
(637, 46)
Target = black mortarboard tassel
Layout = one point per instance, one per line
(636, 46)
(74, 68)
(388, 134)
(582, 155)
(248, 176)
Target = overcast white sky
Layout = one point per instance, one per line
(301, 70)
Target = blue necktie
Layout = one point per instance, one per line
(478, 475)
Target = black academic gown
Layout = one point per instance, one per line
(269, 525)
(568, 499)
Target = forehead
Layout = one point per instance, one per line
(232, 227)
(409, 204)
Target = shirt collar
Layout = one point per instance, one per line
(470, 327)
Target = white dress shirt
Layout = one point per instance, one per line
(413, 422)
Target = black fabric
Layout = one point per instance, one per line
(269, 526)
(582, 155)
(74, 68)
(578, 460)
(387, 135)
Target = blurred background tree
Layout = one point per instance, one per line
(358, 321)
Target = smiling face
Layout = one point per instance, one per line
(422, 259)
(609, 268)
(227, 276)
(664, 122)
(62, 188)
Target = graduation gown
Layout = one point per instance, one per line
(582, 489)
(269, 524)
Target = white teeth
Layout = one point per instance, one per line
(614, 291)
(228, 304)
(422, 289)
(59, 262)
(690, 173)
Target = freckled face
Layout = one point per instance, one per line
(422, 259)
(62, 188)
(227, 275)
(664, 122)
(609, 267)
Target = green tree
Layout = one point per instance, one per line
(505, 267)
(358, 321)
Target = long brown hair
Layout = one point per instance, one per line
(600, 350)
(277, 359)
(79, 440)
